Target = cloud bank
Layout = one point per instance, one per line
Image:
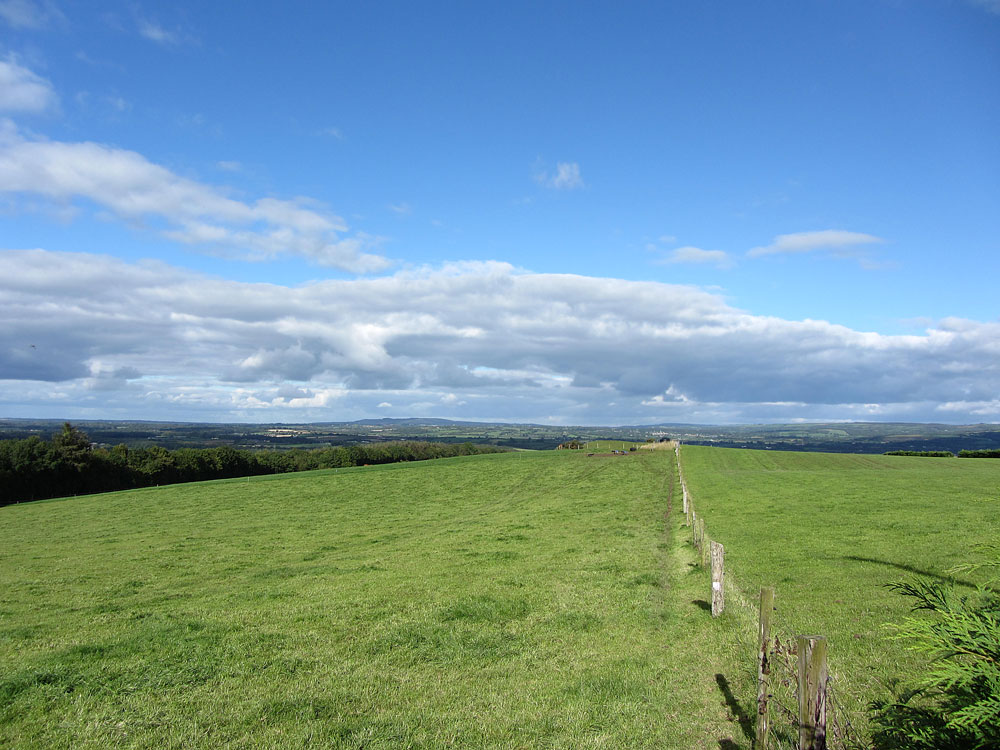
(87, 335)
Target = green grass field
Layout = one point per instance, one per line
(829, 530)
(501, 601)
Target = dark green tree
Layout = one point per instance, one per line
(955, 704)
(72, 446)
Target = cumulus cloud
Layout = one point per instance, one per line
(689, 254)
(566, 177)
(21, 90)
(838, 241)
(182, 209)
(482, 340)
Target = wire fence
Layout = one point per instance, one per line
(780, 703)
(783, 697)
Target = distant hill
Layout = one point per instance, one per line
(831, 437)
(416, 422)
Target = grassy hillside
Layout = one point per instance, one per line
(516, 600)
(829, 530)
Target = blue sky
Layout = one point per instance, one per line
(562, 212)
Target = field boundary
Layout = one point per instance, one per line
(797, 701)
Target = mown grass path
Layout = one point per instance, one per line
(508, 601)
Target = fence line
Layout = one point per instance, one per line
(792, 675)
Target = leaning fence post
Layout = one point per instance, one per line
(764, 666)
(813, 678)
(718, 596)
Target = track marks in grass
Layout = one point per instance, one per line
(700, 649)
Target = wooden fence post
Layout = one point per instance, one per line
(813, 677)
(764, 667)
(718, 591)
(694, 529)
(704, 542)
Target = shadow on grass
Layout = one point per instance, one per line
(911, 569)
(728, 744)
(734, 708)
(703, 604)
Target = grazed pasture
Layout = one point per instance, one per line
(515, 600)
(829, 530)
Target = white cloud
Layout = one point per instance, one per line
(185, 210)
(155, 32)
(118, 103)
(481, 340)
(991, 6)
(989, 408)
(689, 254)
(566, 177)
(21, 90)
(24, 14)
(403, 209)
(670, 397)
(838, 241)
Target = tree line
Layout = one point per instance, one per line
(979, 453)
(926, 454)
(68, 464)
